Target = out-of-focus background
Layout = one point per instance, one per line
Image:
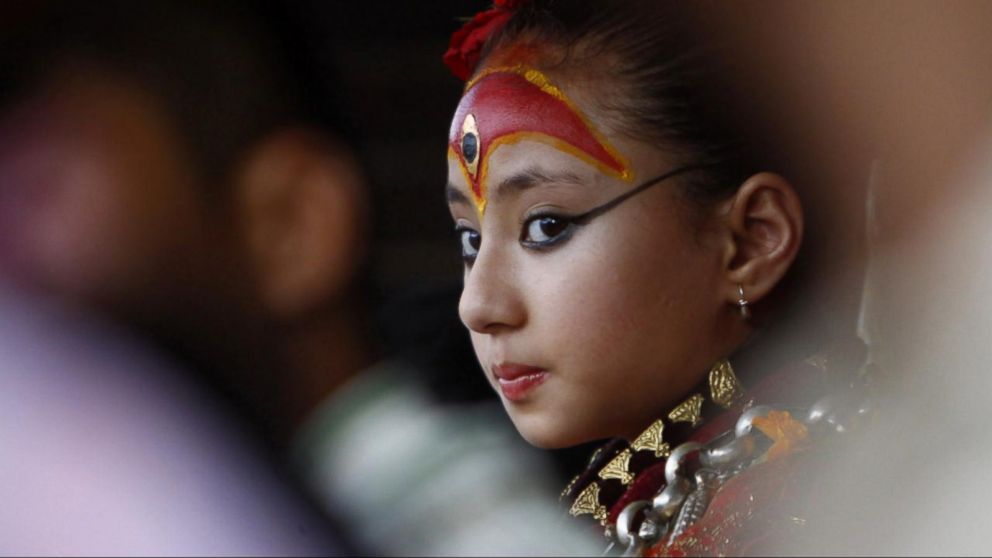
(383, 61)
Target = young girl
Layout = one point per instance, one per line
(621, 245)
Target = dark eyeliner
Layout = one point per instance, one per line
(570, 227)
(585, 218)
(575, 222)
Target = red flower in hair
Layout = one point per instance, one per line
(466, 44)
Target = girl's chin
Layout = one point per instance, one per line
(546, 434)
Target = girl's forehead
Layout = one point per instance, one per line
(508, 104)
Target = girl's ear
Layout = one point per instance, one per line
(302, 208)
(765, 219)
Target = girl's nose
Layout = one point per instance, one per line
(491, 299)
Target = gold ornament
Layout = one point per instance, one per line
(568, 488)
(618, 468)
(652, 440)
(690, 410)
(595, 455)
(725, 388)
(588, 502)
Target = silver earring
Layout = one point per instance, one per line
(742, 303)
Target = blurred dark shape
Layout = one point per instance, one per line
(421, 326)
(217, 68)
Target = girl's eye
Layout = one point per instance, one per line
(546, 230)
(470, 241)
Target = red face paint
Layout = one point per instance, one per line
(506, 105)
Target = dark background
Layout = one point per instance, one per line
(385, 58)
(376, 68)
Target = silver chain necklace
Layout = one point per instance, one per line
(694, 472)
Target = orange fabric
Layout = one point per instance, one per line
(788, 434)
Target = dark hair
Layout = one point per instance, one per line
(220, 69)
(660, 88)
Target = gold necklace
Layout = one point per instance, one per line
(725, 390)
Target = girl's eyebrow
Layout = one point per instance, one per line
(455, 196)
(531, 178)
(515, 184)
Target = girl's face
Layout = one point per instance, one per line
(587, 329)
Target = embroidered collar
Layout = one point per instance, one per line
(615, 469)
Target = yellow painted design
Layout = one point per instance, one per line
(652, 439)
(787, 434)
(690, 410)
(618, 468)
(516, 137)
(561, 145)
(588, 503)
(480, 202)
(725, 388)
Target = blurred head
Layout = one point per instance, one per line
(161, 163)
(596, 302)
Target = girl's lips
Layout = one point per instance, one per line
(517, 380)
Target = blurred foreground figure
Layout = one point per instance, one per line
(909, 85)
(109, 449)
